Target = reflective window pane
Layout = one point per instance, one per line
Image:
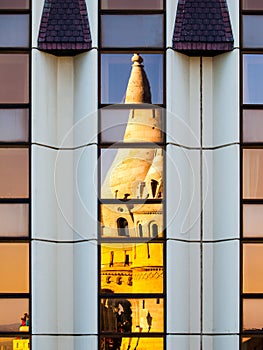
(131, 315)
(253, 220)
(128, 173)
(14, 173)
(132, 5)
(14, 125)
(252, 5)
(13, 220)
(253, 315)
(122, 342)
(252, 125)
(131, 268)
(14, 30)
(14, 272)
(132, 31)
(11, 343)
(252, 25)
(115, 73)
(252, 343)
(131, 220)
(12, 315)
(253, 77)
(14, 71)
(14, 4)
(252, 268)
(252, 173)
(138, 124)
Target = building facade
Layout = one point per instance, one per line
(130, 193)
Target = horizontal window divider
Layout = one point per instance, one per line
(14, 144)
(252, 12)
(15, 334)
(131, 12)
(251, 240)
(133, 335)
(130, 240)
(117, 145)
(14, 105)
(251, 295)
(14, 200)
(14, 239)
(15, 50)
(256, 145)
(139, 49)
(146, 106)
(131, 201)
(252, 201)
(126, 50)
(132, 296)
(130, 106)
(14, 295)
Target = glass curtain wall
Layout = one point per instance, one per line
(131, 175)
(15, 56)
(252, 174)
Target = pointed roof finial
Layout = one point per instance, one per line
(138, 89)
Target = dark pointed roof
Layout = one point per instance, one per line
(64, 28)
(202, 27)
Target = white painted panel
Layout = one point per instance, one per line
(183, 194)
(221, 193)
(221, 287)
(85, 288)
(183, 287)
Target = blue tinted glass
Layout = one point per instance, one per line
(14, 30)
(115, 73)
(252, 26)
(252, 79)
(132, 31)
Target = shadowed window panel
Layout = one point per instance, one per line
(115, 342)
(12, 310)
(14, 125)
(133, 213)
(253, 315)
(253, 220)
(252, 5)
(142, 275)
(126, 173)
(253, 77)
(252, 173)
(14, 30)
(14, 220)
(115, 73)
(14, 272)
(14, 4)
(14, 173)
(252, 26)
(132, 31)
(252, 343)
(145, 124)
(135, 315)
(131, 5)
(14, 71)
(252, 125)
(252, 268)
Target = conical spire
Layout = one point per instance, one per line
(138, 90)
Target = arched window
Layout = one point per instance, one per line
(122, 225)
(140, 230)
(154, 230)
(154, 185)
